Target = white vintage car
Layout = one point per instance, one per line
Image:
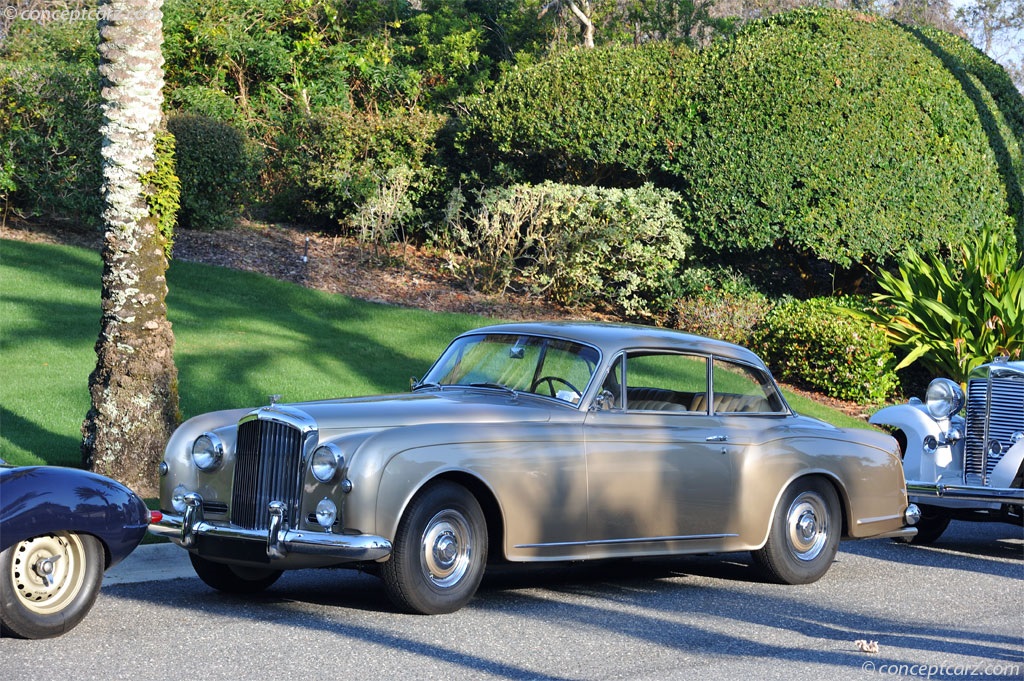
(964, 467)
(527, 443)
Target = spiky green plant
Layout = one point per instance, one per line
(955, 314)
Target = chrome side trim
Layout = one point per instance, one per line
(636, 540)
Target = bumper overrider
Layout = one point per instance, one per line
(278, 538)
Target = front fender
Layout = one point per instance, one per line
(916, 425)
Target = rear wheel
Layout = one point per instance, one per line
(439, 552)
(233, 579)
(49, 583)
(804, 534)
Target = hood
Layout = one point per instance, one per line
(451, 405)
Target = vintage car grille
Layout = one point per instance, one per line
(267, 468)
(1004, 416)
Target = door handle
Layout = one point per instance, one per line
(717, 438)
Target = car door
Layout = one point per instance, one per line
(661, 474)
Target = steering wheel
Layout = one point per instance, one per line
(551, 380)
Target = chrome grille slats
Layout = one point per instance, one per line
(994, 412)
(268, 467)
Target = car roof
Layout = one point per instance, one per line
(612, 338)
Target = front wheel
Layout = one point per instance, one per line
(232, 578)
(439, 552)
(49, 583)
(804, 534)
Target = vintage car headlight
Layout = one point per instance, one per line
(326, 513)
(207, 452)
(327, 461)
(178, 499)
(943, 398)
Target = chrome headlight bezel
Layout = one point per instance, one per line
(944, 398)
(208, 452)
(326, 462)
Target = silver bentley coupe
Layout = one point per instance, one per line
(523, 443)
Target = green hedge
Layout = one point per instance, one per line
(214, 169)
(583, 116)
(840, 134)
(809, 343)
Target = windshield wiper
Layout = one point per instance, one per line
(496, 386)
(418, 386)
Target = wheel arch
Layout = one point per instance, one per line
(832, 480)
(488, 504)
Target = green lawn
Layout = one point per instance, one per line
(240, 337)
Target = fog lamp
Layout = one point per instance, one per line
(326, 513)
(178, 499)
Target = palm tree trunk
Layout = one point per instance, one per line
(134, 386)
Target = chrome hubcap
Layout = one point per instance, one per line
(48, 571)
(807, 526)
(446, 548)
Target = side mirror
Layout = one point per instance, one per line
(605, 401)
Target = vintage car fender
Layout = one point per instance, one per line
(844, 456)
(38, 500)
(1009, 467)
(918, 425)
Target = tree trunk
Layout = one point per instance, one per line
(134, 386)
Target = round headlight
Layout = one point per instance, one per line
(327, 461)
(207, 452)
(944, 398)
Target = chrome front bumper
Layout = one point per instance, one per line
(923, 492)
(278, 539)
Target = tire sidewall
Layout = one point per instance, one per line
(405, 576)
(778, 557)
(18, 620)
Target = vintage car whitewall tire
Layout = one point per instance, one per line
(804, 535)
(440, 551)
(232, 578)
(49, 583)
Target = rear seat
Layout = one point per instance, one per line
(659, 399)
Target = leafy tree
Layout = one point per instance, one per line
(133, 388)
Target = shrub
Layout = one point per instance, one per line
(51, 161)
(577, 245)
(719, 303)
(809, 344)
(337, 161)
(955, 314)
(840, 135)
(213, 167)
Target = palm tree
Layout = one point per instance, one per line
(134, 386)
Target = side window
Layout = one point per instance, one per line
(742, 389)
(666, 382)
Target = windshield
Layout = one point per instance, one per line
(529, 364)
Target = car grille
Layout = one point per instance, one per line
(268, 468)
(1004, 414)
